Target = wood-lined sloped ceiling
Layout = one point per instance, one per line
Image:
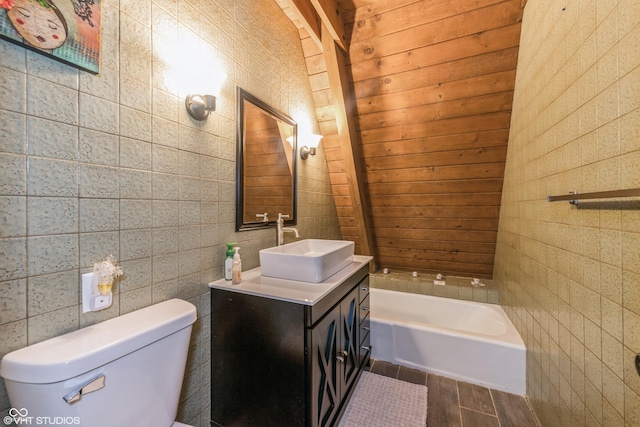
(433, 84)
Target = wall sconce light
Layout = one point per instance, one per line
(199, 106)
(312, 142)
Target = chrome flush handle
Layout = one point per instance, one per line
(91, 386)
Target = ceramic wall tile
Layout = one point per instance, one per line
(135, 154)
(135, 124)
(51, 101)
(165, 159)
(13, 174)
(98, 147)
(52, 139)
(135, 184)
(13, 216)
(51, 292)
(12, 132)
(99, 215)
(52, 215)
(165, 240)
(48, 177)
(135, 213)
(135, 299)
(136, 244)
(165, 186)
(105, 85)
(164, 132)
(13, 258)
(50, 254)
(13, 87)
(52, 324)
(52, 70)
(99, 181)
(13, 299)
(138, 273)
(136, 94)
(95, 247)
(165, 213)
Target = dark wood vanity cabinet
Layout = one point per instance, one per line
(280, 363)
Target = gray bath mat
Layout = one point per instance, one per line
(385, 402)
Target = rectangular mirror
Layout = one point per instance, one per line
(266, 164)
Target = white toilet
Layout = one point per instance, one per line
(125, 371)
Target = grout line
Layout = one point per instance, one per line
(459, 405)
(493, 402)
(533, 413)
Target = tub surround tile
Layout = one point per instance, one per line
(456, 287)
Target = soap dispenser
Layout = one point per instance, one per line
(228, 261)
(236, 268)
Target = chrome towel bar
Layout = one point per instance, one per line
(574, 196)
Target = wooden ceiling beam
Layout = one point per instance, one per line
(330, 15)
(311, 14)
(303, 15)
(344, 107)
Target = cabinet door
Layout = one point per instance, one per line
(349, 351)
(325, 398)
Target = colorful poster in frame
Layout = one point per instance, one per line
(66, 30)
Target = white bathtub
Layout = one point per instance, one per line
(468, 341)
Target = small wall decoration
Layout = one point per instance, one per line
(66, 30)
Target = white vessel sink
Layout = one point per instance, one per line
(309, 260)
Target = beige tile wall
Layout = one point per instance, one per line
(569, 276)
(456, 287)
(112, 164)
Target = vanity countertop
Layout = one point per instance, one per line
(307, 293)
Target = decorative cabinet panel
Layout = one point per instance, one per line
(335, 358)
(277, 363)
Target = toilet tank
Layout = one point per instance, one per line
(139, 358)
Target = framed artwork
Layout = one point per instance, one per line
(66, 30)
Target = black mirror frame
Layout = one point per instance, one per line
(243, 95)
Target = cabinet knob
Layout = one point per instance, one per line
(364, 289)
(364, 308)
(365, 348)
(345, 353)
(340, 359)
(366, 328)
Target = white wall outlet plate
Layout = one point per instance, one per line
(91, 298)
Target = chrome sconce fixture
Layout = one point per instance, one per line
(200, 106)
(312, 142)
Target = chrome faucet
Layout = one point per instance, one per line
(281, 229)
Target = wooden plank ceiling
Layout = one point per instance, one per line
(432, 85)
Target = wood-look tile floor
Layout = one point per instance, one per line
(452, 403)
